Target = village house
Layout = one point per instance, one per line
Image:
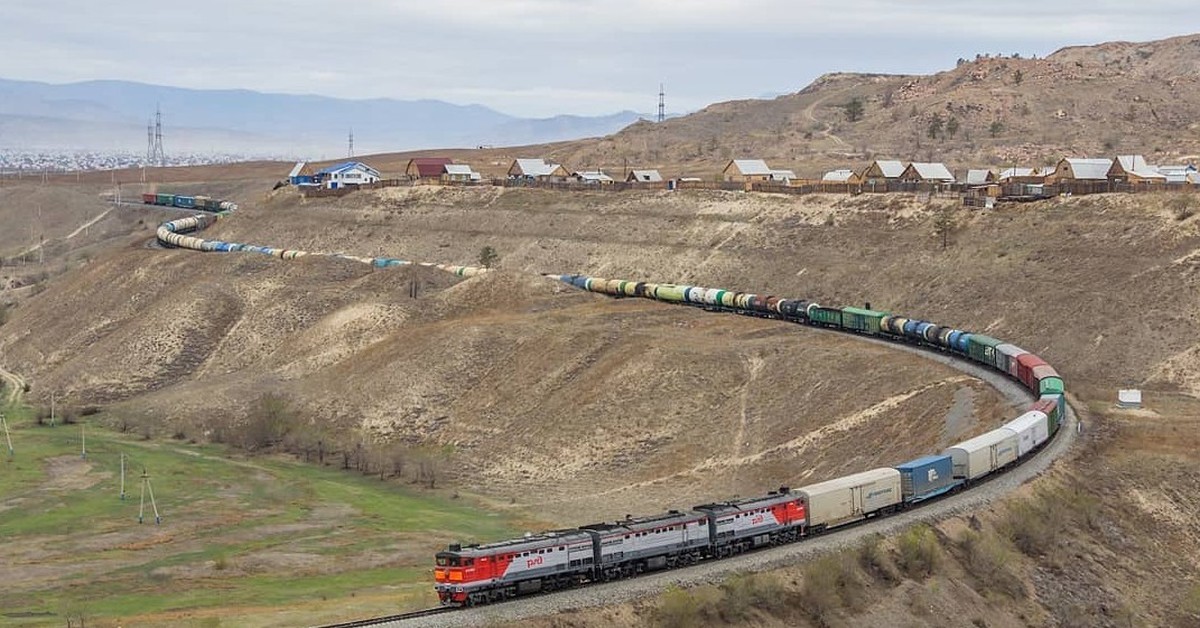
(927, 173)
(1078, 169)
(1134, 169)
(426, 167)
(754, 171)
(343, 174)
(842, 175)
(299, 174)
(1177, 174)
(980, 176)
(537, 170)
(643, 176)
(592, 177)
(881, 171)
(459, 173)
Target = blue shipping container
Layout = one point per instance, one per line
(926, 477)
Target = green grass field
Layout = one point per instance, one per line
(243, 541)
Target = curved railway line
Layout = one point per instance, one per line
(176, 233)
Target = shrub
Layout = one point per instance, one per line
(919, 551)
(830, 584)
(746, 592)
(986, 557)
(1183, 206)
(1033, 524)
(683, 609)
(874, 558)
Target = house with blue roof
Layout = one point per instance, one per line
(343, 174)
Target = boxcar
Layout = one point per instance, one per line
(860, 319)
(1048, 381)
(1032, 429)
(831, 316)
(1007, 358)
(850, 498)
(982, 348)
(983, 454)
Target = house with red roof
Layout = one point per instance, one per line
(427, 167)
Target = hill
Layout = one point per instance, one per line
(1085, 101)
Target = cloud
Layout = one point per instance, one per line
(542, 57)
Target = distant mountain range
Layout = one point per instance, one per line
(112, 115)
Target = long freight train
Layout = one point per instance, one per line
(202, 203)
(477, 574)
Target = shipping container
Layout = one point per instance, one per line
(825, 315)
(850, 498)
(983, 349)
(1032, 429)
(983, 454)
(1007, 358)
(860, 319)
(926, 477)
(1048, 381)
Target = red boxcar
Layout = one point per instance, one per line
(148, 198)
(1025, 365)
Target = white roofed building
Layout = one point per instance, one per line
(1078, 169)
(927, 172)
(537, 169)
(980, 176)
(460, 173)
(644, 176)
(593, 177)
(841, 175)
(1134, 169)
(747, 170)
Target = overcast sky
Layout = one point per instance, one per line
(543, 57)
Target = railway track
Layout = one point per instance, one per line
(393, 619)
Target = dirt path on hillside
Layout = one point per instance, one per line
(810, 112)
(71, 235)
(609, 594)
(14, 387)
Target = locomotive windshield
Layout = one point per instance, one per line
(447, 560)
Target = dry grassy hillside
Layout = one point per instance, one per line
(507, 367)
(562, 402)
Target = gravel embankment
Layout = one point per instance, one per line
(610, 593)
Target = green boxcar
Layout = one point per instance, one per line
(826, 315)
(983, 349)
(859, 319)
(164, 199)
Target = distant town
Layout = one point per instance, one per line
(19, 163)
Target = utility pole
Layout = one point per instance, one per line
(122, 476)
(52, 408)
(7, 437)
(142, 507)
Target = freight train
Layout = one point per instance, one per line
(202, 203)
(477, 574)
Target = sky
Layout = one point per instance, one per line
(537, 58)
